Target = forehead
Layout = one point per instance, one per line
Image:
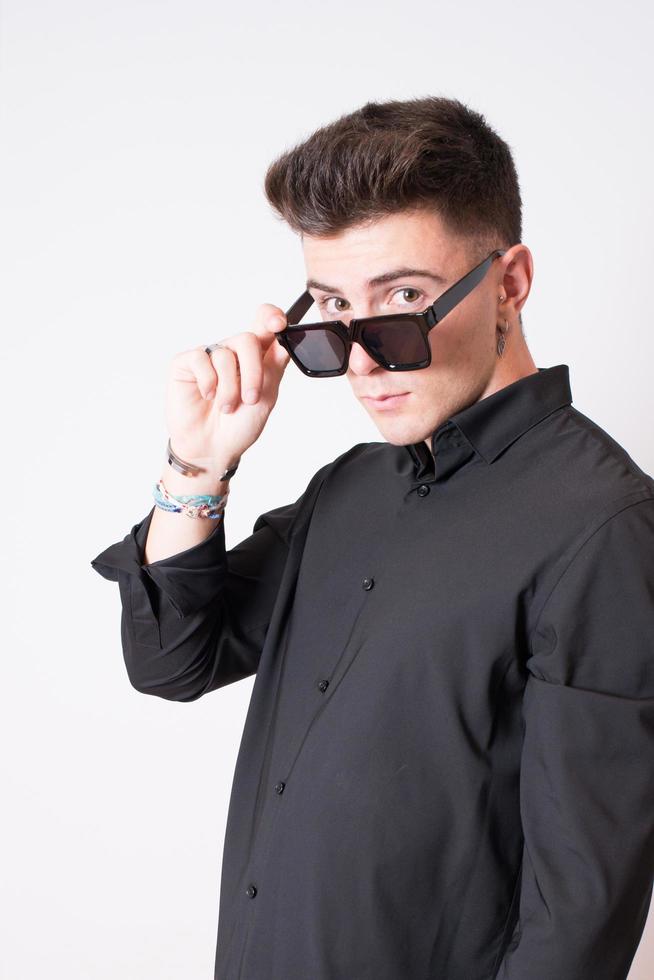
(415, 239)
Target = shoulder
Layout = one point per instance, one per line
(589, 465)
(355, 461)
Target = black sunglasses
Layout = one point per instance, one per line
(398, 342)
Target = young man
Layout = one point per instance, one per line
(446, 767)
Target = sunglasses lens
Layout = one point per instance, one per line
(394, 342)
(317, 350)
(399, 342)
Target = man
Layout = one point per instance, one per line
(446, 767)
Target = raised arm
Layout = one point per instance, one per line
(194, 615)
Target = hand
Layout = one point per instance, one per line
(201, 384)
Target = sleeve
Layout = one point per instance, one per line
(587, 765)
(197, 620)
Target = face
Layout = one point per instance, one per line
(463, 345)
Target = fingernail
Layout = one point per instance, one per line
(251, 395)
(209, 395)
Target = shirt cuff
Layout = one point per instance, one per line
(189, 579)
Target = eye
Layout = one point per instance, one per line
(417, 293)
(410, 294)
(323, 304)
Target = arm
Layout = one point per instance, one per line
(194, 616)
(587, 769)
(196, 620)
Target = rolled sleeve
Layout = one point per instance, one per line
(587, 767)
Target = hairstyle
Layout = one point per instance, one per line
(432, 153)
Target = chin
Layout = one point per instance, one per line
(397, 434)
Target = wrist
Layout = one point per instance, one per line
(176, 483)
(215, 469)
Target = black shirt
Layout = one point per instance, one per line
(446, 767)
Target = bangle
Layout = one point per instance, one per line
(193, 505)
(189, 469)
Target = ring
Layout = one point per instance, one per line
(212, 347)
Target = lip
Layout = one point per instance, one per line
(386, 401)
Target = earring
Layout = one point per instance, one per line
(501, 343)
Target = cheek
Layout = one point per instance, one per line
(447, 339)
(458, 335)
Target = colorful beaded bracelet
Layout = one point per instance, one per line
(193, 505)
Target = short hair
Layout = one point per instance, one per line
(433, 153)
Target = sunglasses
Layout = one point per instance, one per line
(398, 342)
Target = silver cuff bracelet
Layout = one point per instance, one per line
(189, 469)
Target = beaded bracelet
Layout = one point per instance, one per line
(193, 505)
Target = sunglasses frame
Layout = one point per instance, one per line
(354, 331)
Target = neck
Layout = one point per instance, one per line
(509, 368)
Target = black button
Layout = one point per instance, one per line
(250, 891)
(279, 787)
(323, 685)
(423, 490)
(368, 583)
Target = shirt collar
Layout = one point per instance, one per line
(488, 426)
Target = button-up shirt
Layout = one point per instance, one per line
(446, 770)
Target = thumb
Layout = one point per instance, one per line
(277, 357)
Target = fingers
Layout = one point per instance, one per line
(239, 364)
(268, 320)
(239, 369)
(195, 367)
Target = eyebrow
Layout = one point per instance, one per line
(383, 278)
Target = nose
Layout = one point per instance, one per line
(360, 360)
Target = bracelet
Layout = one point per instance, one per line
(189, 469)
(193, 505)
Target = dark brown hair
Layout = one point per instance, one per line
(385, 157)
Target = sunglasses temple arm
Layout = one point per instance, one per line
(295, 313)
(460, 290)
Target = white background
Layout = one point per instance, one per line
(135, 139)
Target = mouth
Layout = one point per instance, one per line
(385, 401)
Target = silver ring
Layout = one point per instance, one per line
(212, 347)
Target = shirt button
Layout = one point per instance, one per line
(279, 787)
(423, 490)
(250, 891)
(368, 583)
(323, 685)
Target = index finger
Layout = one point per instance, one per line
(268, 321)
